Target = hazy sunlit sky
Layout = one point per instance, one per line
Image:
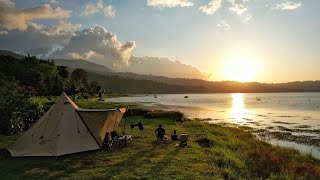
(244, 40)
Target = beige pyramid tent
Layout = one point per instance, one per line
(67, 129)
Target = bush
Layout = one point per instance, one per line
(136, 112)
(26, 113)
(18, 112)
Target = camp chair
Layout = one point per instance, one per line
(123, 140)
(183, 139)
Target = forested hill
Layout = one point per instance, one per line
(149, 82)
(9, 53)
(133, 83)
(43, 77)
(82, 64)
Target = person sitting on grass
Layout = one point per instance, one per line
(107, 141)
(160, 132)
(174, 136)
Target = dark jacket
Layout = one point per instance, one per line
(160, 132)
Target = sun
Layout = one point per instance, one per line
(238, 69)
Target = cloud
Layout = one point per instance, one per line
(287, 5)
(109, 11)
(102, 47)
(163, 67)
(169, 3)
(211, 7)
(37, 39)
(64, 26)
(86, 56)
(39, 51)
(92, 9)
(238, 8)
(12, 18)
(224, 25)
(97, 45)
(55, 2)
(7, 4)
(248, 18)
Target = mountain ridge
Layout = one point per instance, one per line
(125, 82)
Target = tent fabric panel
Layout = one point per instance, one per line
(113, 121)
(107, 126)
(75, 136)
(95, 122)
(101, 122)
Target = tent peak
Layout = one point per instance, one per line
(66, 98)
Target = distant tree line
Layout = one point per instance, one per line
(155, 84)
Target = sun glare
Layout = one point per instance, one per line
(237, 110)
(238, 69)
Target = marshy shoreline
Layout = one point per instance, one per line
(288, 120)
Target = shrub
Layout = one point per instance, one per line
(18, 112)
(25, 113)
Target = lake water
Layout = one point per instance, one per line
(285, 119)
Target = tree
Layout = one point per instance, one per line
(52, 62)
(79, 79)
(57, 87)
(70, 88)
(94, 87)
(79, 75)
(63, 72)
(7, 91)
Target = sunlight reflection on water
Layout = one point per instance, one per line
(238, 108)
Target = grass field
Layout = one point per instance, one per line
(213, 152)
